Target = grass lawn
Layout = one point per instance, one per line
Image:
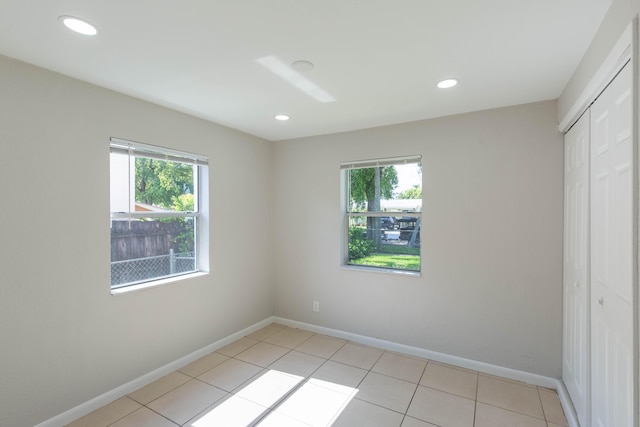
(402, 261)
(399, 249)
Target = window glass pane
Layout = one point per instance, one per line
(385, 189)
(386, 242)
(148, 249)
(163, 185)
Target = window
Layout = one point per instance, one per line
(383, 213)
(156, 218)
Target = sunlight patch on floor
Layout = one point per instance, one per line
(234, 411)
(251, 402)
(315, 403)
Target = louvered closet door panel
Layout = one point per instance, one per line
(575, 363)
(612, 190)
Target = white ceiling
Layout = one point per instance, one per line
(376, 61)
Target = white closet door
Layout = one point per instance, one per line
(612, 371)
(575, 362)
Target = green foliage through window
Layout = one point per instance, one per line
(363, 191)
(359, 245)
(161, 183)
(414, 192)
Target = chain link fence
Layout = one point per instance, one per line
(130, 271)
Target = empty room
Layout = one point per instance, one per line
(319, 213)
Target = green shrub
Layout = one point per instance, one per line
(359, 245)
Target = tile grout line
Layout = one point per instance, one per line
(544, 413)
(126, 415)
(515, 412)
(170, 420)
(424, 370)
(475, 403)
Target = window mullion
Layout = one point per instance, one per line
(126, 215)
(384, 214)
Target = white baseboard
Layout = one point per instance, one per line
(486, 368)
(108, 397)
(565, 400)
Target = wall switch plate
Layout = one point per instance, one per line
(316, 306)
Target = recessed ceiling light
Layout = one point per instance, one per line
(447, 83)
(78, 25)
(282, 117)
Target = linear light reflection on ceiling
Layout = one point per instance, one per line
(287, 73)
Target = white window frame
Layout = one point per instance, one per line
(200, 214)
(348, 213)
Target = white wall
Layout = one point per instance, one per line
(64, 339)
(491, 287)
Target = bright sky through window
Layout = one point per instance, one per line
(408, 176)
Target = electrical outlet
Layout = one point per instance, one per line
(316, 306)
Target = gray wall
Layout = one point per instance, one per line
(491, 287)
(64, 338)
(619, 16)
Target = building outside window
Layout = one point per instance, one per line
(156, 215)
(383, 213)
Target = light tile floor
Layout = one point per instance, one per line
(285, 377)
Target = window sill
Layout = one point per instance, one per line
(404, 273)
(156, 283)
